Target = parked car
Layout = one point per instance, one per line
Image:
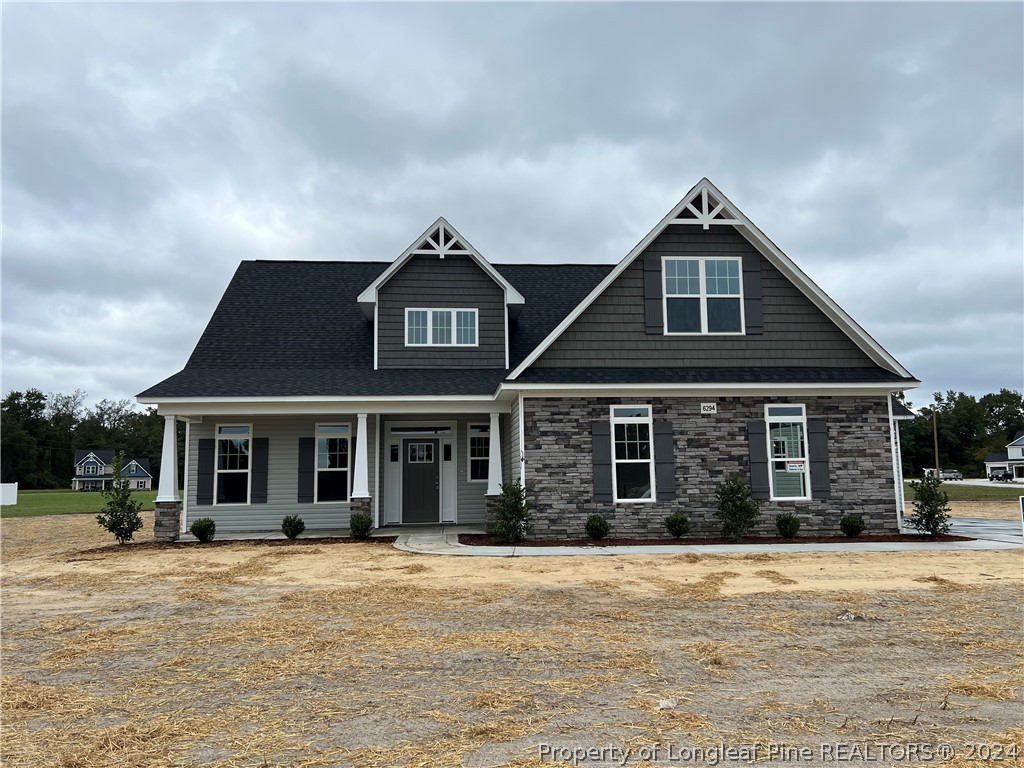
(1003, 476)
(951, 474)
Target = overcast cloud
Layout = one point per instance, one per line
(147, 149)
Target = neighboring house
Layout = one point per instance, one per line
(94, 471)
(412, 389)
(1012, 459)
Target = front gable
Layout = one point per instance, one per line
(705, 289)
(441, 305)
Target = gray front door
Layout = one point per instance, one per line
(421, 481)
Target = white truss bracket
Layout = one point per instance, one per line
(710, 212)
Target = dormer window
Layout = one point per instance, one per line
(440, 327)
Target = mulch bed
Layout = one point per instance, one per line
(486, 540)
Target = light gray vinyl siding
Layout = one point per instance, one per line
(510, 442)
(283, 433)
(455, 282)
(611, 332)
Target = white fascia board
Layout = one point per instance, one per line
(767, 248)
(226, 406)
(369, 294)
(92, 456)
(690, 390)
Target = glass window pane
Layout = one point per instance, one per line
(232, 430)
(785, 410)
(786, 440)
(417, 327)
(478, 469)
(465, 328)
(723, 315)
(625, 413)
(233, 488)
(683, 315)
(633, 481)
(787, 484)
(722, 277)
(682, 277)
(442, 330)
(332, 486)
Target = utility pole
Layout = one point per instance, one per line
(935, 437)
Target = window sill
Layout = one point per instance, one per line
(698, 333)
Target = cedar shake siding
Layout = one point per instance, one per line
(428, 282)
(615, 331)
(854, 475)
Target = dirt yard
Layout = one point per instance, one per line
(360, 655)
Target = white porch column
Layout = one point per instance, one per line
(494, 459)
(168, 489)
(361, 476)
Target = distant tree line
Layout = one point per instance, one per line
(969, 429)
(39, 434)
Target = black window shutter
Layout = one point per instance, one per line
(204, 472)
(601, 451)
(307, 454)
(653, 323)
(664, 461)
(753, 303)
(817, 449)
(260, 462)
(757, 439)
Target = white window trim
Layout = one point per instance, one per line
(430, 325)
(702, 297)
(802, 419)
(95, 469)
(469, 456)
(316, 461)
(649, 421)
(217, 471)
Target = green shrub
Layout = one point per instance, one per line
(931, 505)
(787, 524)
(360, 523)
(292, 526)
(852, 525)
(203, 529)
(120, 515)
(597, 527)
(678, 524)
(512, 520)
(737, 509)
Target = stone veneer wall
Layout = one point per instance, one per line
(559, 470)
(364, 506)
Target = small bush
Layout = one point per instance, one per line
(787, 524)
(292, 526)
(678, 524)
(360, 523)
(203, 529)
(512, 520)
(931, 505)
(737, 509)
(120, 514)
(597, 527)
(852, 525)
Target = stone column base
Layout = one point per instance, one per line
(362, 505)
(490, 512)
(167, 521)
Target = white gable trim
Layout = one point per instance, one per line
(760, 241)
(369, 294)
(92, 456)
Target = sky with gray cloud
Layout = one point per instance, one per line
(147, 149)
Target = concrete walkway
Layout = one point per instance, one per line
(986, 534)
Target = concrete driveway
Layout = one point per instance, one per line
(1007, 531)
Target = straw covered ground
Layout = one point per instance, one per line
(360, 655)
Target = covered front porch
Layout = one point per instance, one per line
(404, 464)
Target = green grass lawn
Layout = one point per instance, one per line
(959, 492)
(37, 503)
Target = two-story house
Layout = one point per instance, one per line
(1011, 460)
(94, 471)
(412, 389)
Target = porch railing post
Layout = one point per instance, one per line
(494, 459)
(361, 476)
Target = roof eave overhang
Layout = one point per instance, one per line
(782, 389)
